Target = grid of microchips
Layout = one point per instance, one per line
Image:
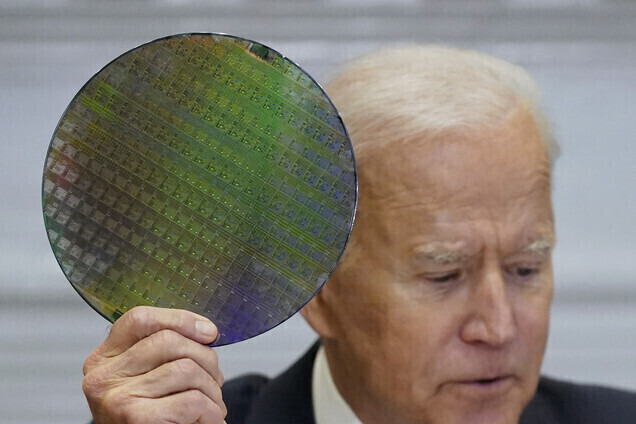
(202, 172)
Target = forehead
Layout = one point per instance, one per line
(506, 160)
(498, 174)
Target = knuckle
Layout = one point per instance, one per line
(195, 400)
(113, 402)
(219, 410)
(164, 339)
(221, 404)
(168, 345)
(198, 398)
(117, 404)
(216, 406)
(200, 405)
(221, 377)
(216, 392)
(218, 373)
(93, 384)
(86, 367)
(187, 367)
(90, 362)
(182, 318)
(138, 316)
(214, 356)
(89, 386)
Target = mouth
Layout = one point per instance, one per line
(488, 385)
(487, 381)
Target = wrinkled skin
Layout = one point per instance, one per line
(439, 311)
(154, 367)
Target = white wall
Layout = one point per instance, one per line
(582, 54)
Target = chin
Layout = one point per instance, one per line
(504, 412)
(488, 415)
(495, 417)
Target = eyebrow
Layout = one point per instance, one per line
(541, 246)
(442, 255)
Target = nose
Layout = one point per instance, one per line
(491, 318)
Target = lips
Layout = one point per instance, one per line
(486, 386)
(487, 380)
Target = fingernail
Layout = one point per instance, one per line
(206, 329)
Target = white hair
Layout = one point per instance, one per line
(402, 92)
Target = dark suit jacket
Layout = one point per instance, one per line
(286, 399)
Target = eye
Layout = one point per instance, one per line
(525, 272)
(444, 278)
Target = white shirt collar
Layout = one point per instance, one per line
(329, 406)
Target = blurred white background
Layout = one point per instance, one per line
(583, 53)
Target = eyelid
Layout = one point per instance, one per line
(531, 262)
(443, 277)
(536, 258)
(534, 268)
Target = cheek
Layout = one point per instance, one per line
(359, 314)
(391, 334)
(391, 317)
(532, 310)
(360, 297)
(533, 319)
(382, 323)
(414, 342)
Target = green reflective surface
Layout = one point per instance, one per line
(202, 172)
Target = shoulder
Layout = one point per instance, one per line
(256, 399)
(239, 395)
(559, 401)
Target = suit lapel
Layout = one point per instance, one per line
(287, 398)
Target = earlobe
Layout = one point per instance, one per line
(318, 314)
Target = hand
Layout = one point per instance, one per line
(154, 367)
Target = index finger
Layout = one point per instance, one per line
(142, 321)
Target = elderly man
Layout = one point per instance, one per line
(439, 309)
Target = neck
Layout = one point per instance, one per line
(355, 390)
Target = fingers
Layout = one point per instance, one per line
(116, 399)
(189, 407)
(178, 376)
(142, 321)
(179, 408)
(154, 368)
(160, 348)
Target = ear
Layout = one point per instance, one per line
(318, 312)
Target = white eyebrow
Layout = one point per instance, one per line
(541, 246)
(440, 254)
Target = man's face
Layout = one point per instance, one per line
(440, 310)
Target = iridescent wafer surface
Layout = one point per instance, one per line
(203, 172)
